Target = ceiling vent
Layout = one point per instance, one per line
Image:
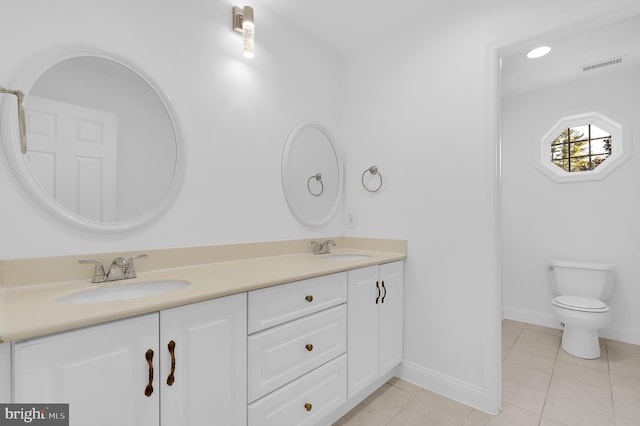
(602, 64)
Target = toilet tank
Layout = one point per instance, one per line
(584, 279)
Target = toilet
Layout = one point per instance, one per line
(581, 289)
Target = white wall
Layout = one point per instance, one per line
(418, 105)
(236, 115)
(593, 221)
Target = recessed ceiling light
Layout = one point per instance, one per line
(538, 52)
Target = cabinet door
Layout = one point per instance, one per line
(209, 376)
(391, 315)
(362, 323)
(101, 371)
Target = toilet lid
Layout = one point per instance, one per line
(578, 303)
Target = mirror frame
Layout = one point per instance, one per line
(25, 81)
(285, 160)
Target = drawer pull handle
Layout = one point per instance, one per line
(309, 347)
(308, 406)
(172, 378)
(309, 298)
(378, 287)
(385, 291)
(149, 357)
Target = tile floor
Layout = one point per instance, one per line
(541, 385)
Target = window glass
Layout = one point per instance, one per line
(580, 148)
(597, 132)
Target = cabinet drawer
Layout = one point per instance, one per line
(282, 354)
(323, 389)
(272, 306)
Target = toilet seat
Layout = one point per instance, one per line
(583, 304)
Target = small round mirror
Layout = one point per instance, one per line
(104, 145)
(311, 174)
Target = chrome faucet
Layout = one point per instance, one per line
(322, 248)
(120, 269)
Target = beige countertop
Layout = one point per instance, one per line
(32, 310)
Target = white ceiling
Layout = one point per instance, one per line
(569, 54)
(346, 24)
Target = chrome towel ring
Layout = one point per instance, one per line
(317, 177)
(374, 171)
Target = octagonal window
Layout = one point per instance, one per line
(583, 147)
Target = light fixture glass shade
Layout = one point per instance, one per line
(538, 52)
(248, 49)
(248, 28)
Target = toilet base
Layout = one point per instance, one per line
(581, 343)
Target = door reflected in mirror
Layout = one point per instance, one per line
(104, 144)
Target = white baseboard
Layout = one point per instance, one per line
(532, 317)
(450, 387)
(627, 335)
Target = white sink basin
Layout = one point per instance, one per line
(347, 256)
(123, 292)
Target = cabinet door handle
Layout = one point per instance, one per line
(309, 347)
(308, 406)
(149, 357)
(172, 347)
(309, 298)
(385, 291)
(378, 287)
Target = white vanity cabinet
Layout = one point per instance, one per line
(301, 353)
(103, 371)
(375, 318)
(296, 351)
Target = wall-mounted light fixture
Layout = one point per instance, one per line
(243, 24)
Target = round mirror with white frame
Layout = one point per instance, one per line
(105, 148)
(311, 174)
